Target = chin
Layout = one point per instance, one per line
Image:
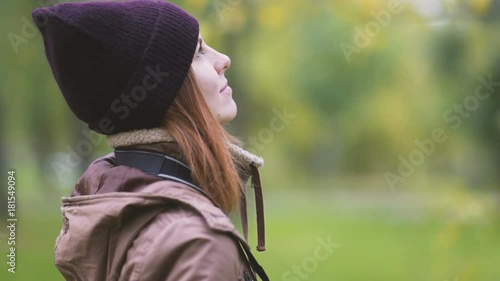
(226, 118)
(228, 115)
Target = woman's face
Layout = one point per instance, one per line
(209, 68)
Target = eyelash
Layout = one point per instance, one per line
(200, 50)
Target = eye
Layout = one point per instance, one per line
(200, 50)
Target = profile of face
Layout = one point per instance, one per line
(209, 67)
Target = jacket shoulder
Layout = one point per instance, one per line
(213, 216)
(179, 245)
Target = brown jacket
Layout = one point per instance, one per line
(122, 224)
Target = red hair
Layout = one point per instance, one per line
(203, 142)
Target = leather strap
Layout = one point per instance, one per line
(259, 206)
(243, 213)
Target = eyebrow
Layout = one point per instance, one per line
(199, 41)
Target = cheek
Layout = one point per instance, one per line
(210, 91)
(208, 86)
(207, 79)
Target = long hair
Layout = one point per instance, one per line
(203, 142)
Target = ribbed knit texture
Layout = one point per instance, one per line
(119, 65)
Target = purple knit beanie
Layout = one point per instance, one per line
(119, 65)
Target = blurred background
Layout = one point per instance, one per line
(379, 121)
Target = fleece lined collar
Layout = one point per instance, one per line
(155, 135)
(248, 163)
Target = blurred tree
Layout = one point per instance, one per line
(353, 116)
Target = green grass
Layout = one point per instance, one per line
(379, 243)
(376, 242)
(36, 233)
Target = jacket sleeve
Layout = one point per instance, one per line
(181, 247)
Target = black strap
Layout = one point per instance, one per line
(253, 262)
(157, 164)
(161, 165)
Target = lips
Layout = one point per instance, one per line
(223, 88)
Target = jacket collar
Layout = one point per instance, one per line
(158, 139)
(158, 135)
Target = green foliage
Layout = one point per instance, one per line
(356, 115)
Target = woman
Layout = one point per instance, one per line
(155, 209)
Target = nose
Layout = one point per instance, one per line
(223, 62)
